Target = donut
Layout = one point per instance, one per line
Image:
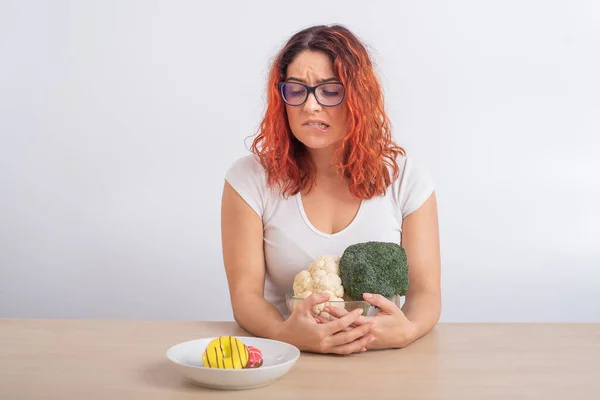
(225, 352)
(255, 359)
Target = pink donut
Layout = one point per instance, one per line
(255, 358)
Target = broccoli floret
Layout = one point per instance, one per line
(374, 267)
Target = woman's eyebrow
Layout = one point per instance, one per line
(318, 81)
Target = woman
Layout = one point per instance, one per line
(325, 174)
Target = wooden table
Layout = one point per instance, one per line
(77, 359)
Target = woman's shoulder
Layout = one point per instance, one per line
(248, 165)
(409, 166)
(412, 186)
(247, 177)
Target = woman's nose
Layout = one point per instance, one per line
(311, 104)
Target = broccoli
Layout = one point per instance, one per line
(374, 267)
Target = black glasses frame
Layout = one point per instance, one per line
(313, 90)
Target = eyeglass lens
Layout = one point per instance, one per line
(329, 94)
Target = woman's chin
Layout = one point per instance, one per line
(319, 143)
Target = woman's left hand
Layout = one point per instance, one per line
(391, 328)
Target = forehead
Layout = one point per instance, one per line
(311, 65)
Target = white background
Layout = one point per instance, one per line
(118, 120)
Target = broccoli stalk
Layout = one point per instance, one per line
(374, 267)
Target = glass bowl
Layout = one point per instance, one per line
(348, 305)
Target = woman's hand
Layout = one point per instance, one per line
(338, 336)
(395, 328)
(390, 327)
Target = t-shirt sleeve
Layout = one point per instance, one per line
(247, 178)
(414, 186)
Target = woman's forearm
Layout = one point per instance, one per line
(423, 310)
(256, 315)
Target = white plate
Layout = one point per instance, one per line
(278, 359)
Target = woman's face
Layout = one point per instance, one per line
(312, 68)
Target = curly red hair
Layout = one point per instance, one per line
(367, 155)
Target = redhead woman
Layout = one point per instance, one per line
(324, 173)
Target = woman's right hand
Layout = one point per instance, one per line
(337, 336)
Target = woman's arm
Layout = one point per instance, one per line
(243, 256)
(420, 239)
(394, 327)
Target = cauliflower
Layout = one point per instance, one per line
(321, 276)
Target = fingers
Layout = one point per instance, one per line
(356, 346)
(340, 312)
(348, 336)
(341, 323)
(343, 335)
(313, 300)
(321, 320)
(384, 304)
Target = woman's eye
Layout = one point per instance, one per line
(328, 93)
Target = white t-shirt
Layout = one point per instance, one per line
(291, 242)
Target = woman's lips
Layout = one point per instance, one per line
(318, 126)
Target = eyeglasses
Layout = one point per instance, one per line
(329, 94)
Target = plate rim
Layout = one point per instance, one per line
(295, 358)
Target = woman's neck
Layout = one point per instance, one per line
(324, 163)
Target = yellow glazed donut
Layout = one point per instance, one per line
(225, 352)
